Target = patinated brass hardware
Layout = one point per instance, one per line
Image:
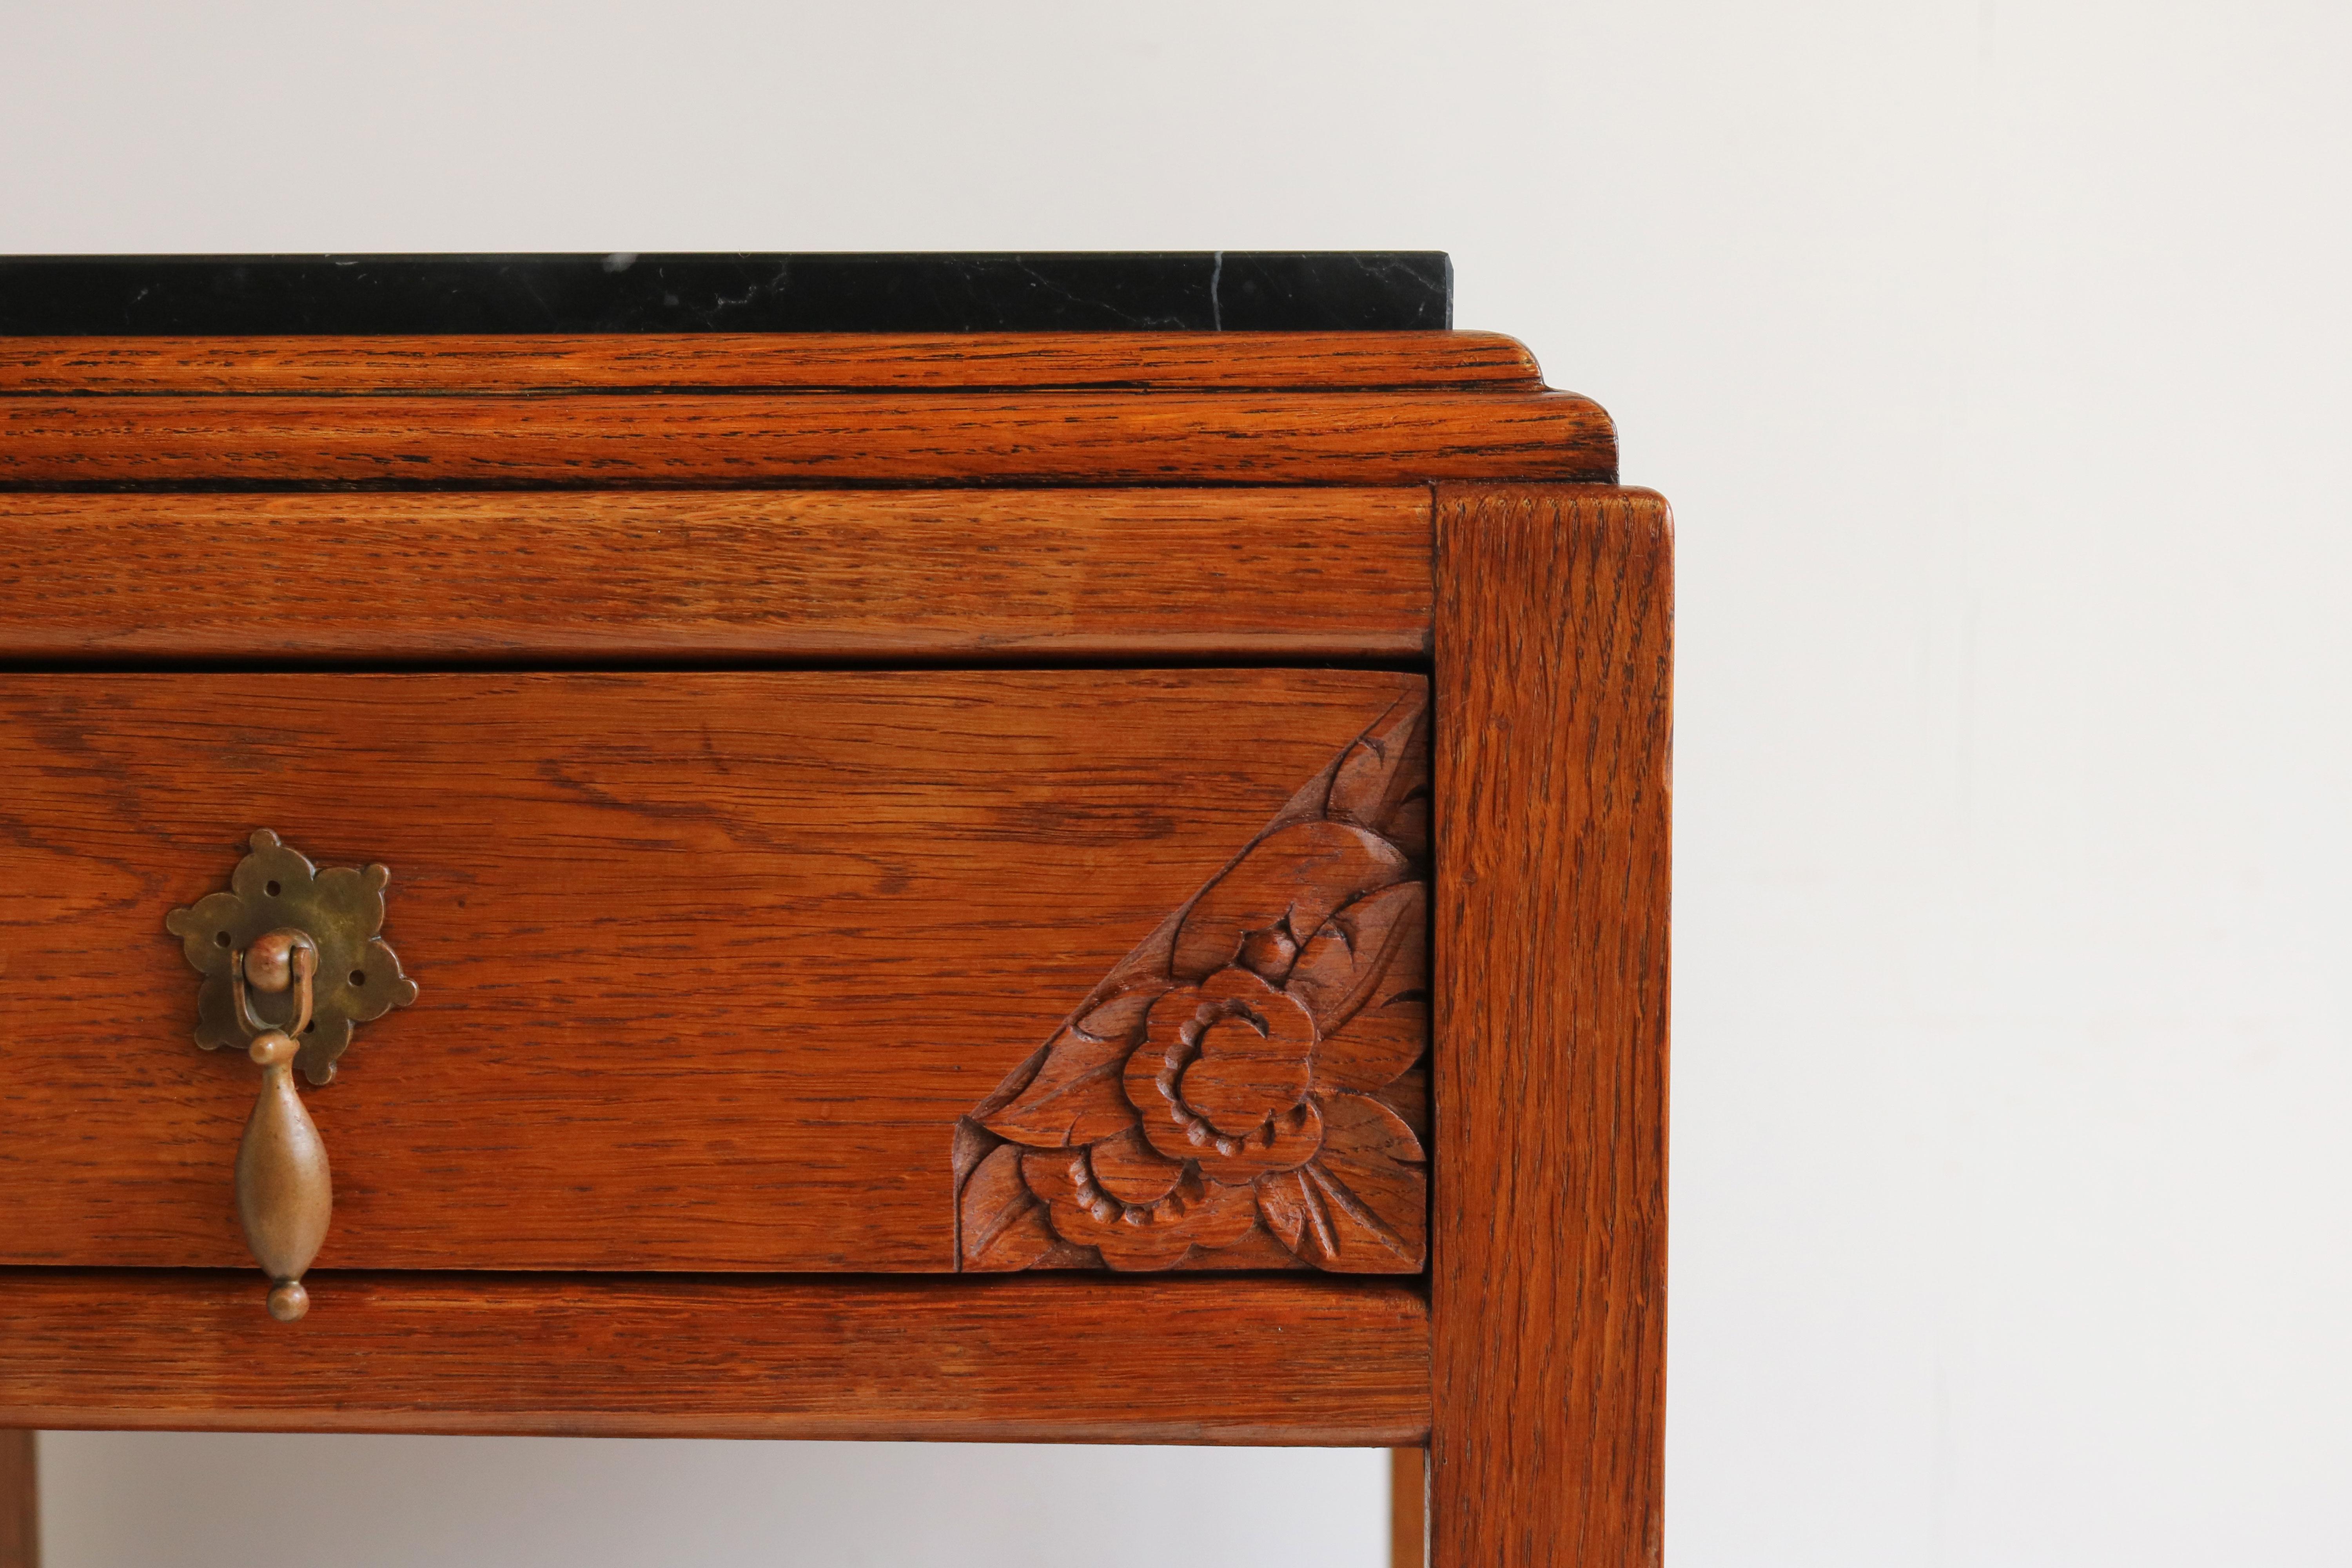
(285, 1193)
(287, 929)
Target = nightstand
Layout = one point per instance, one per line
(1055, 848)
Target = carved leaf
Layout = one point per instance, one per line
(1003, 1223)
(1366, 1196)
(1349, 959)
(1381, 770)
(1282, 1203)
(1408, 830)
(1121, 1017)
(1377, 1045)
(1408, 1096)
(1074, 1096)
(1365, 979)
(1293, 878)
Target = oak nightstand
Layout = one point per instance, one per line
(1053, 849)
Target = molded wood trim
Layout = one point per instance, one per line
(767, 441)
(1032, 1359)
(903, 575)
(766, 362)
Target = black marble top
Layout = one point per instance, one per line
(1202, 290)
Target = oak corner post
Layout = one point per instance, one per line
(1553, 705)
(20, 1496)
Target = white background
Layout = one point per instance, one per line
(1995, 355)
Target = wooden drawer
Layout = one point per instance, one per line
(913, 940)
(746, 970)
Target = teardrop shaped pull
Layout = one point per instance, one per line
(285, 1194)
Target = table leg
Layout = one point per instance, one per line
(20, 1501)
(1548, 1215)
(1408, 1512)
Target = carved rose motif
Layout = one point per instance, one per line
(1242, 1090)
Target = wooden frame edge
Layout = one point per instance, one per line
(470, 365)
(1253, 1360)
(765, 441)
(1554, 647)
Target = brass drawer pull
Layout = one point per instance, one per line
(287, 929)
(285, 1193)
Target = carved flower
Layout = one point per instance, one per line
(1222, 1077)
(1242, 1093)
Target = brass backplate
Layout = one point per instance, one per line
(341, 908)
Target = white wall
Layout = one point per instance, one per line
(1996, 357)
(177, 1500)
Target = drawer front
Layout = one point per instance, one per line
(864, 971)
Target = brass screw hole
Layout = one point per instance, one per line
(220, 938)
(359, 977)
(270, 888)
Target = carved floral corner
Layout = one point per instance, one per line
(1245, 1089)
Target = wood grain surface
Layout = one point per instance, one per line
(710, 963)
(804, 574)
(1066, 1359)
(752, 440)
(20, 1498)
(765, 361)
(1246, 1087)
(1408, 1507)
(1547, 1259)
